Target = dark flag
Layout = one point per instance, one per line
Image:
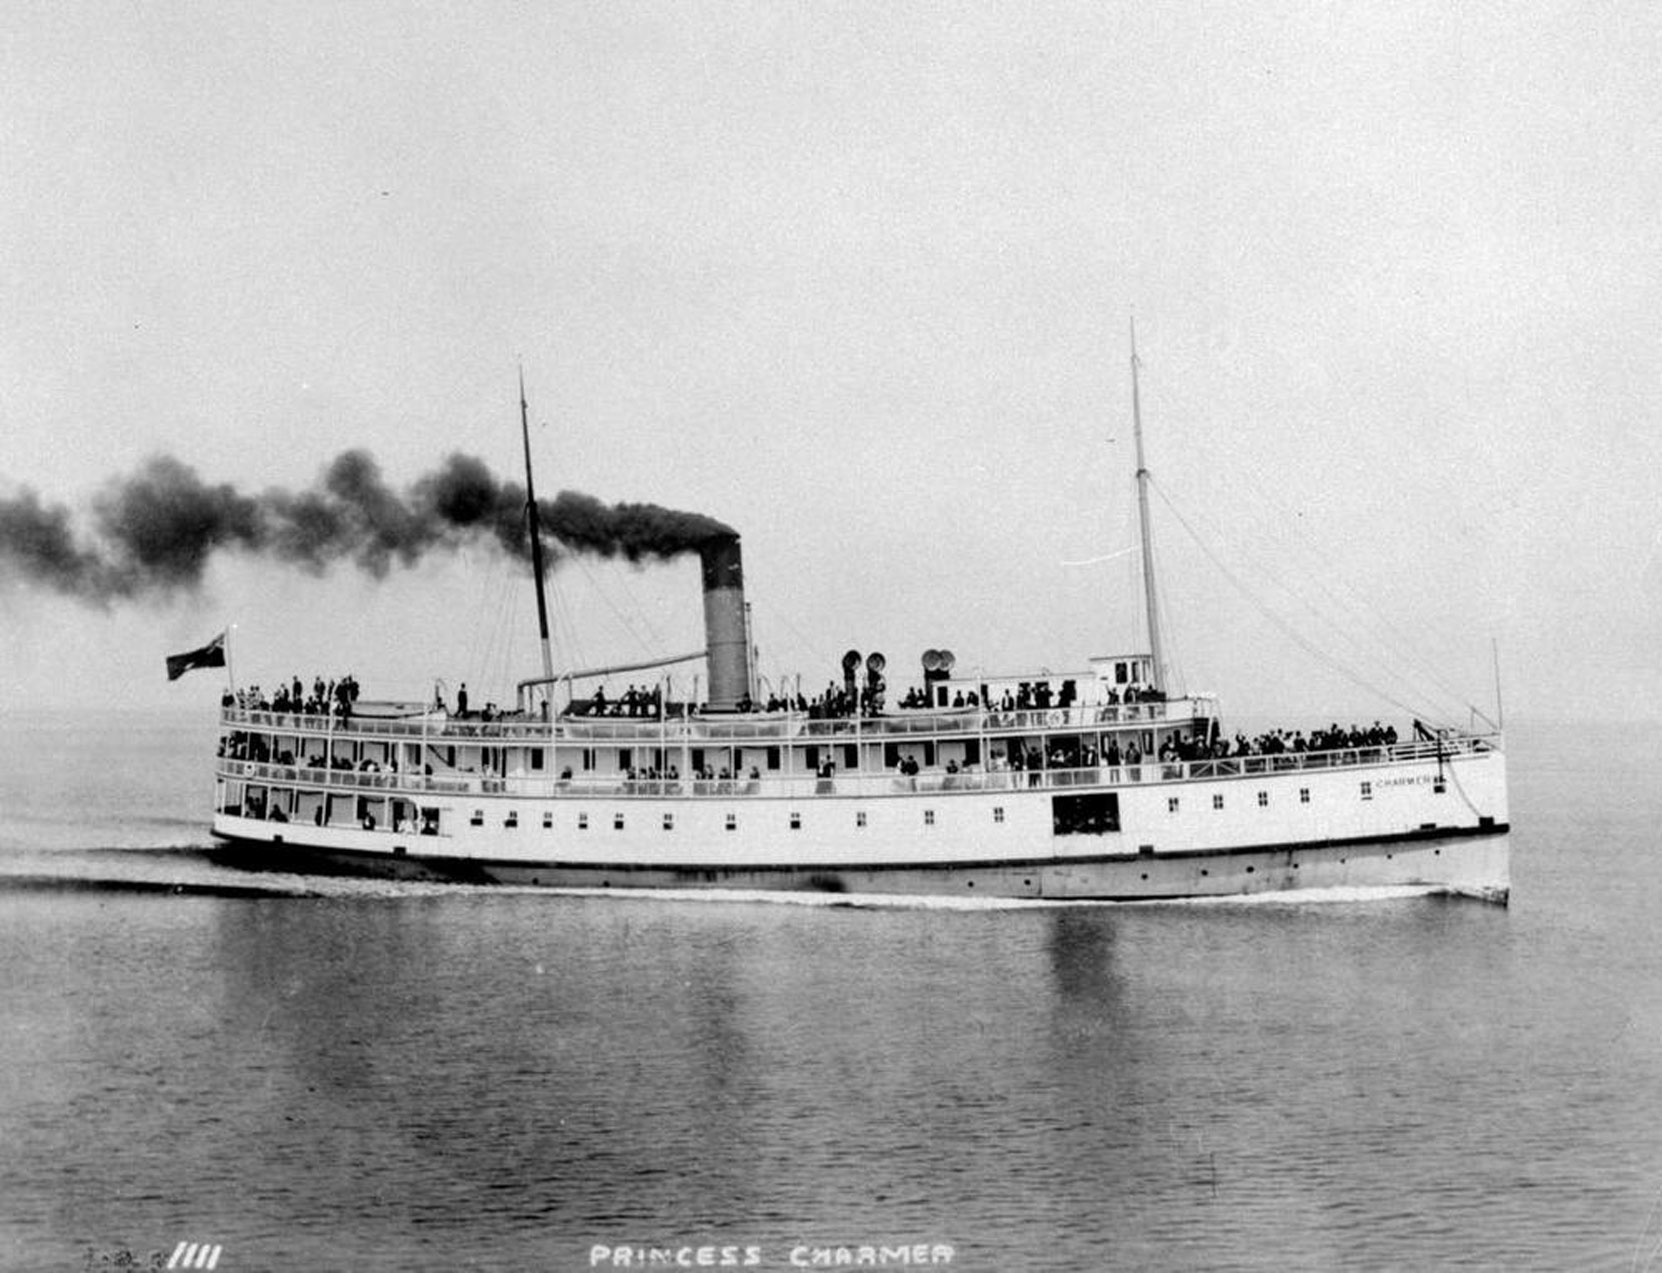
(210, 655)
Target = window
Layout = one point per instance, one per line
(1367, 791)
(1304, 795)
(669, 822)
(796, 821)
(588, 758)
(537, 758)
(617, 822)
(512, 820)
(582, 822)
(478, 818)
(928, 817)
(998, 813)
(1263, 800)
(1217, 801)
(1093, 814)
(548, 822)
(732, 822)
(1171, 804)
(859, 817)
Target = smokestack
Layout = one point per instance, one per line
(724, 628)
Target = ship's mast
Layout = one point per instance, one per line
(1149, 597)
(536, 536)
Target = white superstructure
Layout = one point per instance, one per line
(791, 801)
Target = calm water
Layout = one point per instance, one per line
(319, 1075)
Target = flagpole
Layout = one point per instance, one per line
(230, 670)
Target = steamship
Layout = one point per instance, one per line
(1101, 783)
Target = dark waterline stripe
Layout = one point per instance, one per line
(86, 884)
(441, 863)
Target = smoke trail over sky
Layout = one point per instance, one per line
(153, 533)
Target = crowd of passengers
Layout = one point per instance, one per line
(327, 698)
(635, 701)
(838, 702)
(257, 748)
(1035, 697)
(1278, 741)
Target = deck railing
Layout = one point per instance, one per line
(852, 784)
(698, 730)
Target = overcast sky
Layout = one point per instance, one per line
(857, 280)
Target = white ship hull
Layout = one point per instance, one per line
(1431, 822)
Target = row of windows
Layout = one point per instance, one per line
(1173, 803)
(512, 819)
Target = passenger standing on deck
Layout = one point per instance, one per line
(461, 700)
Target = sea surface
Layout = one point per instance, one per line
(290, 1073)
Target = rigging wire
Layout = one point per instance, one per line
(1407, 650)
(619, 615)
(1404, 654)
(1169, 628)
(478, 635)
(807, 643)
(497, 660)
(1286, 629)
(1404, 648)
(653, 642)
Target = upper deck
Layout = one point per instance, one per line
(504, 756)
(669, 729)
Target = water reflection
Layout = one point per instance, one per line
(1080, 944)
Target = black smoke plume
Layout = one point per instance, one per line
(153, 533)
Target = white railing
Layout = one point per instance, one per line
(695, 730)
(856, 784)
